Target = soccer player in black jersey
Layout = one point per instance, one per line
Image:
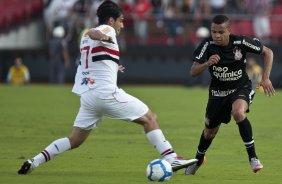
(230, 91)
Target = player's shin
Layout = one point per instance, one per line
(157, 139)
(203, 146)
(54, 149)
(246, 133)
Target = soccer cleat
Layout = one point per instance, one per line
(27, 167)
(192, 169)
(180, 163)
(256, 165)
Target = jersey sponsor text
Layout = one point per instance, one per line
(251, 45)
(220, 93)
(203, 50)
(222, 74)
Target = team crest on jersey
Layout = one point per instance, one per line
(237, 53)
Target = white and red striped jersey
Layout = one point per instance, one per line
(98, 67)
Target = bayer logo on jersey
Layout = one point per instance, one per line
(159, 170)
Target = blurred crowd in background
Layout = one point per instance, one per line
(164, 21)
(170, 22)
(147, 22)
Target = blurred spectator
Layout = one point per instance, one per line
(126, 6)
(81, 15)
(260, 10)
(82, 7)
(217, 6)
(59, 56)
(58, 13)
(236, 7)
(172, 21)
(187, 8)
(93, 11)
(254, 72)
(157, 10)
(141, 15)
(203, 9)
(202, 13)
(18, 73)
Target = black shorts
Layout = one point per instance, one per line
(219, 108)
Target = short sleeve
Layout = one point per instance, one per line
(252, 45)
(200, 53)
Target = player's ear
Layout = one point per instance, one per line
(111, 21)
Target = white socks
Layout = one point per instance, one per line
(55, 148)
(157, 139)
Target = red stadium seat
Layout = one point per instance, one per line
(276, 28)
(277, 10)
(242, 27)
(2, 22)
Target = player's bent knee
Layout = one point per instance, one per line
(238, 115)
(152, 117)
(149, 121)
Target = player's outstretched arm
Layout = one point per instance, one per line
(265, 82)
(98, 35)
(198, 68)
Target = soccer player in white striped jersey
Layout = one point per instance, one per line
(96, 84)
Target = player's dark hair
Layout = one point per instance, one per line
(220, 19)
(108, 9)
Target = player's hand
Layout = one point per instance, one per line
(267, 87)
(213, 60)
(121, 68)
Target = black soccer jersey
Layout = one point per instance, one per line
(230, 72)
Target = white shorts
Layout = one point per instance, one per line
(121, 106)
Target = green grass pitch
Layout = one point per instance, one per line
(31, 117)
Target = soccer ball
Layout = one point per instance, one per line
(159, 170)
